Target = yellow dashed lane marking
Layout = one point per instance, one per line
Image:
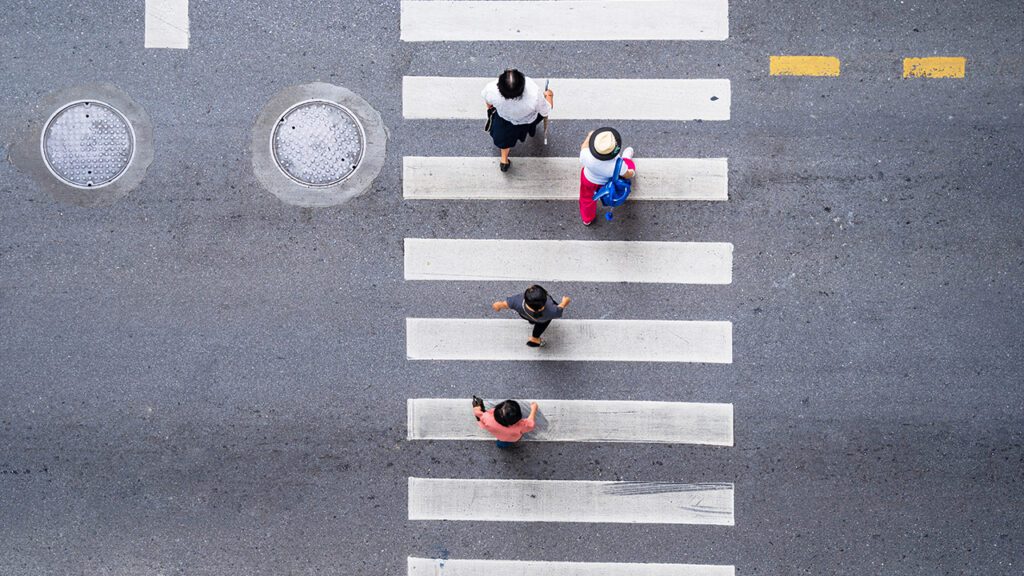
(938, 67)
(804, 66)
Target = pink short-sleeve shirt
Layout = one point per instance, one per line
(505, 433)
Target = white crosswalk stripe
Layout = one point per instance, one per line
(468, 567)
(436, 97)
(570, 501)
(568, 260)
(578, 340)
(583, 421)
(544, 178)
(604, 20)
(167, 24)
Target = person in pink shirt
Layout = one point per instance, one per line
(505, 421)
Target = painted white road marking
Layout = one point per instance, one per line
(570, 501)
(582, 340)
(468, 567)
(167, 24)
(568, 261)
(562, 20)
(539, 178)
(435, 97)
(582, 421)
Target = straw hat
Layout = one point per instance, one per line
(605, 143)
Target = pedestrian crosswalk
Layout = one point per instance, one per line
(552, 20)
(568, 260)
(438, 97)
(501, 338)
(570, 501)
(570, 340)
(547, 178)
(583, 421)
(470, 567)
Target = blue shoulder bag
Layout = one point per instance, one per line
(615, 191)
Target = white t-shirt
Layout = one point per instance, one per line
(599, 171)
(522, 110)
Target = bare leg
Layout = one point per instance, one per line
(504, 155)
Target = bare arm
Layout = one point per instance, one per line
(565, 302)
(586, 141)
(500, 305)
(533, 412)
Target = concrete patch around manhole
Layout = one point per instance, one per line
(86, 145)
(317, 145)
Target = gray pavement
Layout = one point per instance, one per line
(201, 380)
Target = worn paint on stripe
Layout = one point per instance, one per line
(472, 567)
(577, 340)
(542, 178)
(167, 24)
(571, 501)
(562, 20)
(568, 261)
(435, 97)
(935, 67)
(804, 66)
(582, 421)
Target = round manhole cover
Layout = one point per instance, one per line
(88, 144)
(318, 143)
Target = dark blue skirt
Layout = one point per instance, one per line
(505, 134)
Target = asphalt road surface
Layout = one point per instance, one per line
(200, 379)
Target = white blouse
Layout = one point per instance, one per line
(522, 110)
(599, 171)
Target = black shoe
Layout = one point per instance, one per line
(505, 167)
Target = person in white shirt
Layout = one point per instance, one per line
(598, 154)
(515, 105)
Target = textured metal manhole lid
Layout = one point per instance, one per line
(88, 144)
(318, 143)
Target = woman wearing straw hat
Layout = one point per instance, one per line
(600, 149)
(515, 105)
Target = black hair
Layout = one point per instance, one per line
(511, 84)
(508, 413)
(535, 297)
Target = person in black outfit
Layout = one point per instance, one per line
(535, 306)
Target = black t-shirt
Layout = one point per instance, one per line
(549, 313)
